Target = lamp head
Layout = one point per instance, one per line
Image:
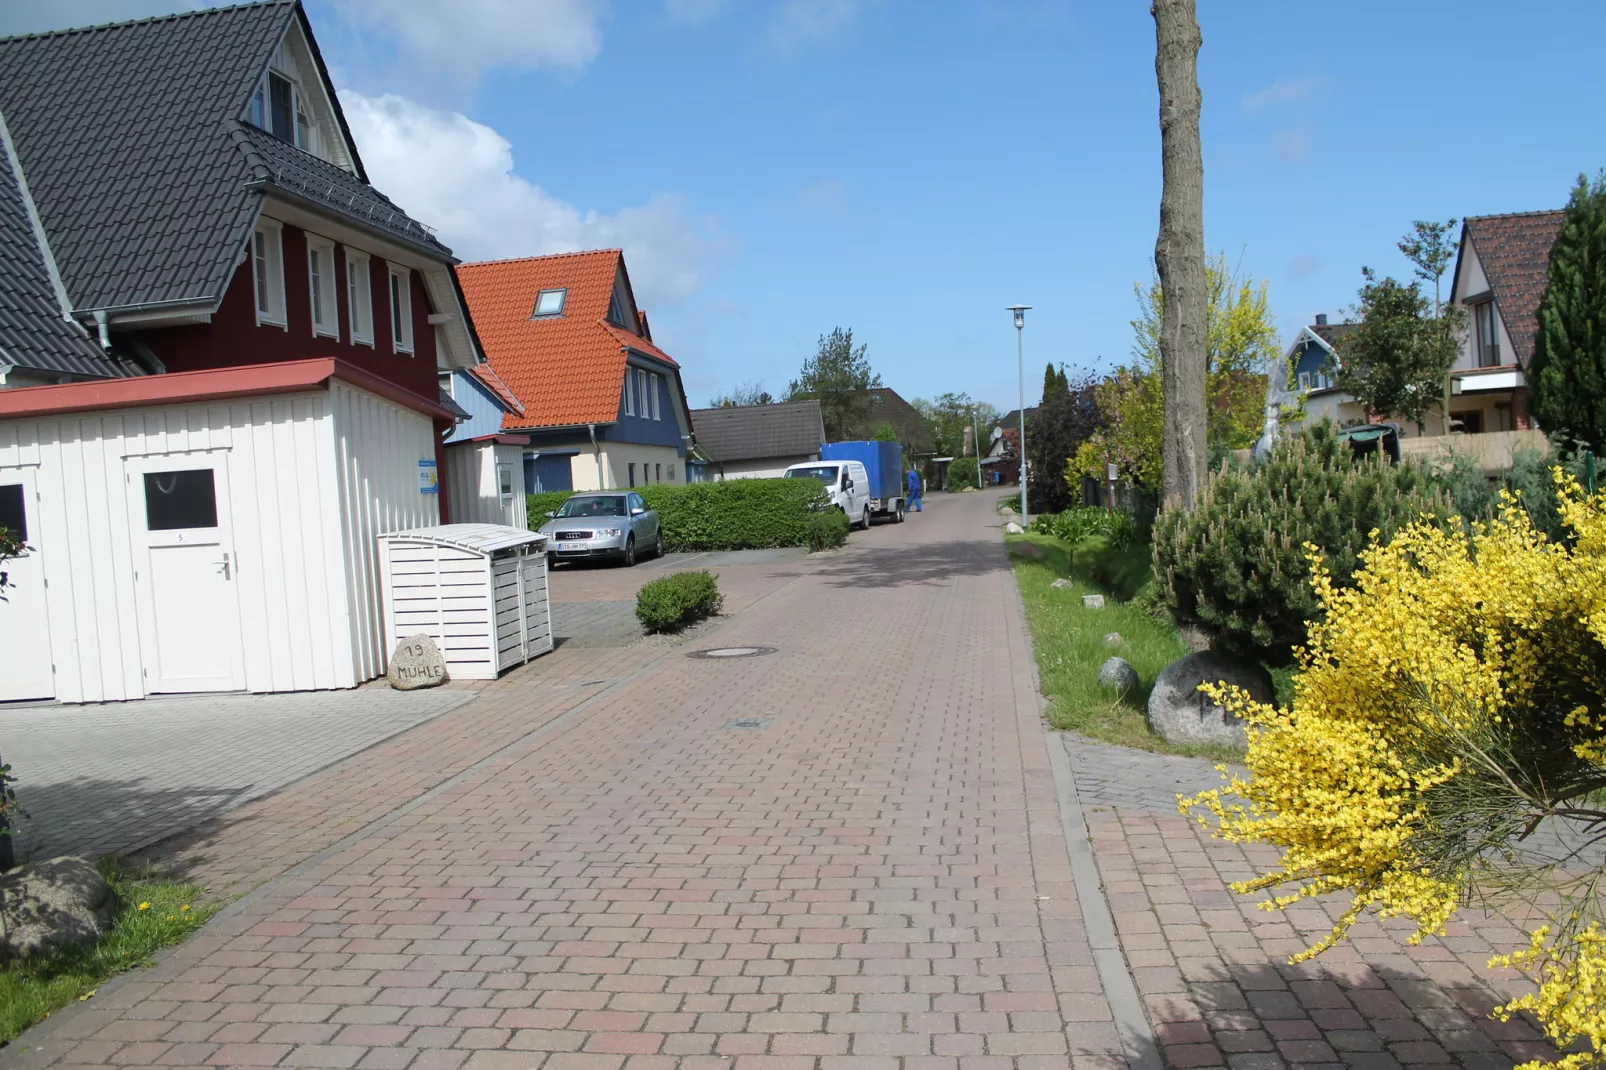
(1020, 315)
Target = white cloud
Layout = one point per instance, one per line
(808, 22)
(1281, 91)
(457, 176)
(694, 10)
(468, 38)
(1292, 145)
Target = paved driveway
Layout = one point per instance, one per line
(113, 777)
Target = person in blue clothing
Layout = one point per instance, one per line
(914, 491)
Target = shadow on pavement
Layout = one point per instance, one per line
(98, 817)
(901, 566)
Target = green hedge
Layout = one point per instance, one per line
(671, 603)
(964, 472)
(738, 514)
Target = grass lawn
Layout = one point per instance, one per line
(31, 991)
(1068, 642)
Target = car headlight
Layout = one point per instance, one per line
(609, 533)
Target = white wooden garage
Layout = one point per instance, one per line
(206, 531)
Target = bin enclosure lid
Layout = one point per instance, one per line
(476, 538)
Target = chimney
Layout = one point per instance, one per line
(1321, 319)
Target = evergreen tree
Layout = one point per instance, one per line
(1567, 373)
(839, 375)
(1051, 383)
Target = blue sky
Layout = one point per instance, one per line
(775, 168)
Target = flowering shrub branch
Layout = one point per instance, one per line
(1447, 744)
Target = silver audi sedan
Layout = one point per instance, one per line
(614, 525)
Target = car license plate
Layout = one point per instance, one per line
(562, 546)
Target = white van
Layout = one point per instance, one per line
(847, 483)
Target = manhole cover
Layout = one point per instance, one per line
(748, 724)
(733, 652)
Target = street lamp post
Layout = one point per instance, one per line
(1020, 368)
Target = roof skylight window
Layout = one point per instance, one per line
(549, 303)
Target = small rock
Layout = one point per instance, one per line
(1120, 677)
(1013, 528)
(417, 663)
(1181, 713)
(51, 905)
(1114, 641)
(1062, 584)
(967, 490)
(1092, 601)
(1029, 550)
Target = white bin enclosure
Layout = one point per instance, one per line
(478, 590)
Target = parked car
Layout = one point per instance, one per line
(846, 483)
(616, 525)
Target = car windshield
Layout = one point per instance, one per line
(825, 473)
(602, 505)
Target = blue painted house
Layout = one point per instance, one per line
(484, 463)
(601, 407)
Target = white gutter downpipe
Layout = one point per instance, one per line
(596, 456)
(103, 325)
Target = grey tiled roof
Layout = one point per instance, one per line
(753, 432)
(146, 179)
(304, 175)
(33, 332)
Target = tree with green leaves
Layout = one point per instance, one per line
(1567, 372)
(840, 378)
(1395, 361)
(1240, 340)
(951, 417)
(1055, 382)
(744, 394)
(1431, 249)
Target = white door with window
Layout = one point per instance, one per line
(24, 616)
(188, 606)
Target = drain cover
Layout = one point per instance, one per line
(733, 652)
(748, 724)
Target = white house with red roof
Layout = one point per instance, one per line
(601, 405)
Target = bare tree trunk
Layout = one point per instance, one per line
(1179, 251)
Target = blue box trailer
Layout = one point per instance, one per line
(883, 462)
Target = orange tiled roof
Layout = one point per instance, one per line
(568, 369)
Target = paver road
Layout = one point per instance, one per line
(878, 875)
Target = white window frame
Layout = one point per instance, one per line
(653, 380)
(630, 391)
(400, 284)
(504, 470)
(321, 288)
(267, 274)
(1304, 380)
(360, 299)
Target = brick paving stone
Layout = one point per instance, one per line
(891, 840)
(1372, 1003)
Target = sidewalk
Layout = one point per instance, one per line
(615, 875)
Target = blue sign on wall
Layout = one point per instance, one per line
(429, 480)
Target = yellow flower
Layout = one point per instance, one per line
(1447, 637)
(144, 906)
(186, 906)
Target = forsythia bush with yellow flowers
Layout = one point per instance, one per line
(1450, 715)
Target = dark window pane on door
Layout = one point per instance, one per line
(175, 500)
(12, 515)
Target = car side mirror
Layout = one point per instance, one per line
(552, 515)
(637, 512)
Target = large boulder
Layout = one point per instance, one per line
(1180, 713)
(1118, 676)
(417, 662)
(50, 905)
(1013, 528)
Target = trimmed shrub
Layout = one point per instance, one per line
(738, 514)
(671, 603)
(1074, 525)
(963, 472)
(741, 514)
(1235, 565)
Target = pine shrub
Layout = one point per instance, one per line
(671, 603)
(963, 472)
(1236, 565)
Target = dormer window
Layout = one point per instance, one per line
(278, 108)
(549, 303)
